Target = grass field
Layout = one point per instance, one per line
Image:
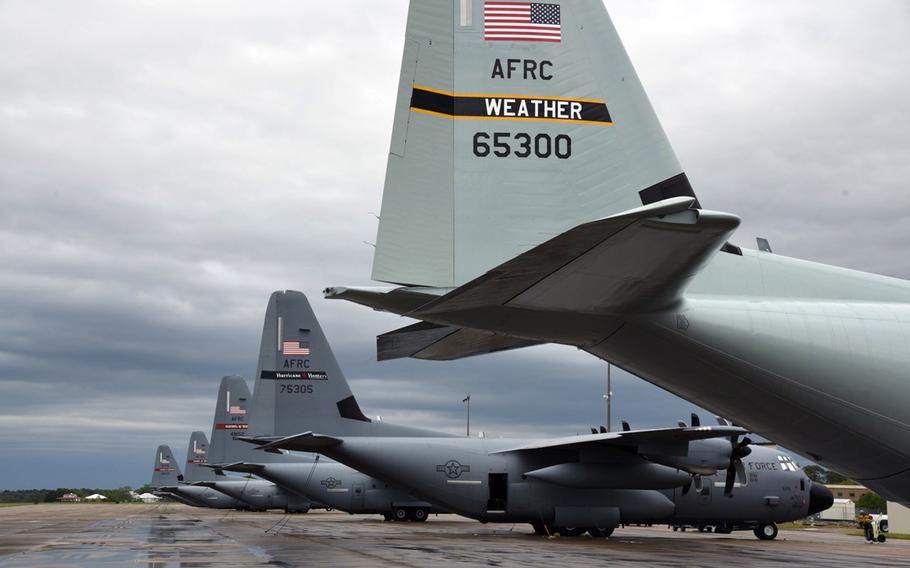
(14, 504)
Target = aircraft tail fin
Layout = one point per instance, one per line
(197, 460)
(503, 137)
(166, 471)
(299, 385)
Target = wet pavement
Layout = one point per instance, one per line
(171, 535)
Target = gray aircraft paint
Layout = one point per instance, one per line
(168, 480)
(229, 422)
(456, 473)
(448, 216)
(814, 357)
(286, 478)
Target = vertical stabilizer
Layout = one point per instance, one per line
(232, 420)
(197, 459)
(513, 123)
(299, 385)
(298, 380)
(165, 472)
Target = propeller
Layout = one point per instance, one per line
(696, 481)
(736, 470)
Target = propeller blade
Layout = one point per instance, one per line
(696, 421)
(698, 483)
(730, 480)
(740, 471)
(687, 487)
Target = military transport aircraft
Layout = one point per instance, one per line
(254, 494)
(532, 196)
(330, 484)
(569, 485)
(169, 482)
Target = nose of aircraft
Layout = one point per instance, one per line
(820, 498)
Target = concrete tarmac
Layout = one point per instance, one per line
(171, 535)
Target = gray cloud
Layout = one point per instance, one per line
(164, 166)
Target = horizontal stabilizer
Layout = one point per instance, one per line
(639, 260)
(240, 467)
(439, 342)
(665, 437)
(305, 442)
(385, 298)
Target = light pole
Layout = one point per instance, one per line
(467, 400)
(608, 397)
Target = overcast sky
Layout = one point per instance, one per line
(165, 165)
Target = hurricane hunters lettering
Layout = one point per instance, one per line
(509, 107)
(295, 375)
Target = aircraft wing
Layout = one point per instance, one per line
(638, 260)
(667, 441)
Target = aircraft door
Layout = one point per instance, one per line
(357, 497)
(499, 492)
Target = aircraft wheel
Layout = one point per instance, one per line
(400, 514)
(883, 526)
(569, 531)
(419, 515)
(601, 533)
(882, 538)
(766, 531)
(387, 516)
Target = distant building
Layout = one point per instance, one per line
(149, 498)
(898, 518)
(851, 492)
(69, 498)
(841, 510)
(96, 497)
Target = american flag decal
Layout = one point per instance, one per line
(295, 348)
(521, 21)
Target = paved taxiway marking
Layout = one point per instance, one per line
(173, 535)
